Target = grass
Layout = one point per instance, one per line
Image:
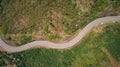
(87, 54)
(25, 39)
(38, 13)
(90, 52)
(28, 16)
(46, 29)
(52, 37)
(113, 43)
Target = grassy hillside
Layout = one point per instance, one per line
(52, 20)
(23, 21)
(88, 53)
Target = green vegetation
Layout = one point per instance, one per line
(46, 29)
(25, 39)
(112, 44)
(31, 16)
(51, 37)
(87, 54)
(53, 17)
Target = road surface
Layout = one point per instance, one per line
(48, 44)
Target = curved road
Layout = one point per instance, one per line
(47, 44)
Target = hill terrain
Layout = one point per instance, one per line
(50, 20)
(24, 21)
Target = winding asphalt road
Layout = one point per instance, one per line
(47, 44)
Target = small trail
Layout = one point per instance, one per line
(112, 60)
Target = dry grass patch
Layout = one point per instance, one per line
(21, 23)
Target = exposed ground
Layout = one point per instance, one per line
(50, 20)
(88, 53)
(42, 17)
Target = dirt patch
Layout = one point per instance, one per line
(1, 49)
(55, 16)
(110, 13)
(83, 5)
(119, 65)
(21, 23)
(39, 38)
(98, 29)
